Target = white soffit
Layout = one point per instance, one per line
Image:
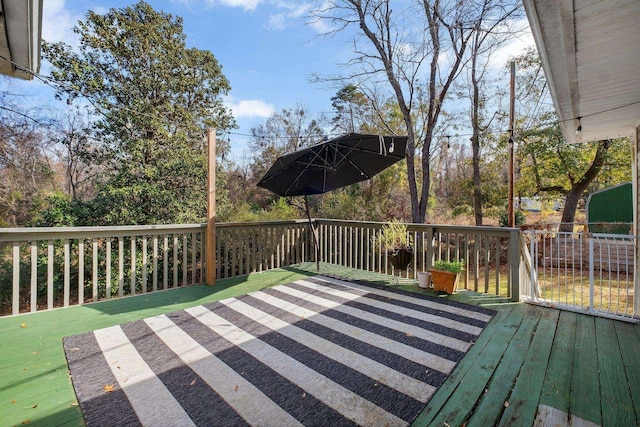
(20, 37)
(590, 52)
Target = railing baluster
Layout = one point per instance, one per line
(175, 260)
(108, 270)
(165, 262)
(498, 263)
(154, 283)
(487, 258)
(34, 275)
(132, 267)
(80, 271)
(185, 264)
(194, 269)
(15, 296)
(67, 272)
(144, 264)
(49, 274)
(94, 276)
(120, 267)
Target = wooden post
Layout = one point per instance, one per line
(211, 209)
(635, 141)
(512, 124)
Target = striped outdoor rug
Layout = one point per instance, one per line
(319, 351)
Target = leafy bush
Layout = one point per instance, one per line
(520, 218)
(454, 267)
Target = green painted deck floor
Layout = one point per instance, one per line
(530, 361)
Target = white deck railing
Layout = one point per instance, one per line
(585, 272)
(45, 268)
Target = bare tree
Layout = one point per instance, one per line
(491, 30)
(422, 45)
(77, 154)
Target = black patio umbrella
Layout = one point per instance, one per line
(332, 164)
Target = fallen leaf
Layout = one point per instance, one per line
(506, 404)
(13, 401)
(26, 422)
(409, 335)
(73, 404)
(236, 388)
(24, 325)
(192, 382)
(34, 406)
(35, 352)
(109, 388)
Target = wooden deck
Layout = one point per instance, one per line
(529, 362)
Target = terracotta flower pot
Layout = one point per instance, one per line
(444, 281)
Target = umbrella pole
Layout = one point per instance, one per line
(314, 231)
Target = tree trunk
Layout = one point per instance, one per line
(578, 187)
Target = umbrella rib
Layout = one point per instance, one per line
(306, 166)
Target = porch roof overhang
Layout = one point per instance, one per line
(590, 51)
(20, 37)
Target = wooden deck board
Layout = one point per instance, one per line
(523, 402)
(617, 406)
(491, 407)
(502, 324)
(629, 344)
(556, 390)
(585, 384)
(462, 401)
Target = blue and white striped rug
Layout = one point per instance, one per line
(315, 352)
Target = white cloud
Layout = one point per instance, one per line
(277, 22)
(58, 22)
(250, 108)
(247, 5)
(515, 47)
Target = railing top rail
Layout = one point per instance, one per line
(53, 233)
(438, 228)
(46, 233)
(261, 223)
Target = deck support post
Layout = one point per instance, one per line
(635, 146)
(513, 261)
(211, 210)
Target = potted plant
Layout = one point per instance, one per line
(445, 274)
(395, 240)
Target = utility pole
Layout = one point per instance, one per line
(512, 125)
(211, 210)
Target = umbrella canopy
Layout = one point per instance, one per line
(332, 164)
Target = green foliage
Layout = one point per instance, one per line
(462, 210)
(519, 216)
(394, 236)
(279, 209)
(153, 97)
(454, 267)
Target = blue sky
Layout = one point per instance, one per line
(268, 50)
